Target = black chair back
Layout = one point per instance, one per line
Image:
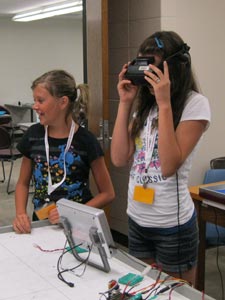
(217, 163)
(5, 116)
(8, 153)
(5, 138)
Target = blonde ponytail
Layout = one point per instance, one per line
(80, 107)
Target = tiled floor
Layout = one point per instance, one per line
(215, 264)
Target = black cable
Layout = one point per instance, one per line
(161, 283)
(167, 288)
(154, 287)
(85, 262)
(151, 291)
(59, 275)
(77, 266)
(102, 294)
(60, 272)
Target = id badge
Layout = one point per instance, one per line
(144, 195)
(42, 212)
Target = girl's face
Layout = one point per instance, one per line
(46, 106)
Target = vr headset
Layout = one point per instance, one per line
(135, 70)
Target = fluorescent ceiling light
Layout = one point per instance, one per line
(49, 11)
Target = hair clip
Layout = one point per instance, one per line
(159, 42)
(186, 48)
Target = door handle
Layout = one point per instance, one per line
(104, 137)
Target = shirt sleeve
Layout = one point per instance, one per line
(197, 108)
(94, 148)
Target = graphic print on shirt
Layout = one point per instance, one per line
(139, 164)
(146, 167)
(72, 189)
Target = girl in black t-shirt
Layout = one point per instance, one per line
(58, 152)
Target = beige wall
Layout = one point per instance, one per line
(130, 22)
(201, 24)
(29, 49)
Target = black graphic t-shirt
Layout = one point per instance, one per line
(83, 150)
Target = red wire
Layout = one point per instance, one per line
(172, 289)
(45, 250)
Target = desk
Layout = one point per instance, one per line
(28, 273)
(206, 213)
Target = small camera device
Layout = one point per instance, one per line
(135, 70)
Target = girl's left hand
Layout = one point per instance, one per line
(160, 82)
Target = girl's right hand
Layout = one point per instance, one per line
(53, 216)
(22, 224)
(127, 91)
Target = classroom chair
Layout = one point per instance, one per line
(217, 163)
(215, 235)
(8, 153)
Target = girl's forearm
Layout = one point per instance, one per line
(21, 199)
(169, 153)
(101, 200)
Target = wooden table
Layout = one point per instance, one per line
(206, 213)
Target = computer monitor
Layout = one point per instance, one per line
(87, 226)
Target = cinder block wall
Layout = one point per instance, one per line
(130, 22)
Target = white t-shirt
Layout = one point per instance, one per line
(162, 213)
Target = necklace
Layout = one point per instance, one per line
(52, 187)
(150, 137)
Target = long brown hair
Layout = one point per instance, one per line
(170, 47)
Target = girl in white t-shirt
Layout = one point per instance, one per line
(169, 120)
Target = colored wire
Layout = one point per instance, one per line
(47, 250)
(108, 294)
(124, 293)
(61, 271)
(154, 286)
(173, 288)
